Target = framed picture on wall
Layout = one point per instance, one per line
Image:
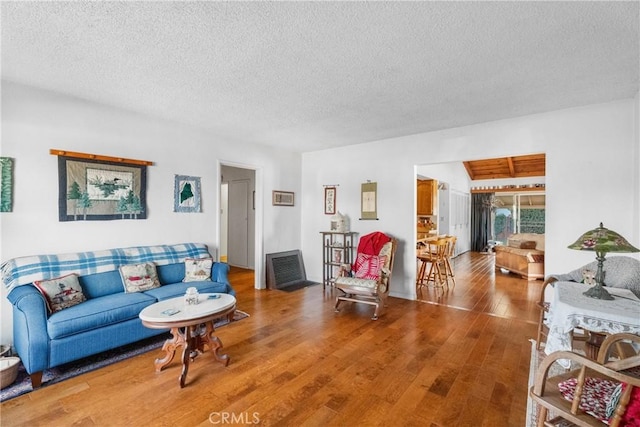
(186, 194)
(329, 200)
(282, 198)
(369, 200)
(6, 184)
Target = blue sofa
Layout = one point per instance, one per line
(109, 317)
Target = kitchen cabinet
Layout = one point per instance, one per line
(426, 196)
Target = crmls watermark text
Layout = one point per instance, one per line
(234, 418)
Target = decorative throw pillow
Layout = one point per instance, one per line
(369, 266)
(613, 401)
(595, 395)
(139, 277)
(197, 269)
(514, 243)
(61, 292)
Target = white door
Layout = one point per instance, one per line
(460, 220)
(238, 251)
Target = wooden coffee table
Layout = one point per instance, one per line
(192, 327)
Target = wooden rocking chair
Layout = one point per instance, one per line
(367, 281)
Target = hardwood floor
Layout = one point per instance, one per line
(296, 362)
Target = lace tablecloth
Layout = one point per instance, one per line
(571, 309)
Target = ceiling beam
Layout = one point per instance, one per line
(467, 166)
(512, 169)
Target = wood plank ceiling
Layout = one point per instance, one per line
(532, 165)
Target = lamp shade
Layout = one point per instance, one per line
(603, 240)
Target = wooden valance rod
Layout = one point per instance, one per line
(76, 155)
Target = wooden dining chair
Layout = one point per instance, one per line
(434, 257)
(451, 251)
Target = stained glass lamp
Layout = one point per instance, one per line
(601, 240)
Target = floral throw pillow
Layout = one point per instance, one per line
(139, 277)
(61, 292)
(197, 269)
(369, 266)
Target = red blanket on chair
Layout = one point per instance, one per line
(371, 244)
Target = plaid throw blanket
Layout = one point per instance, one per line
(24, 270)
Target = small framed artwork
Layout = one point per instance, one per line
(186, 197)
(329, 200)
(369, 201)
(282, 198)
(6, 184)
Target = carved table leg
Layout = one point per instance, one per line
(169, 348)
(186, 354)
(192, 339)
(214, 343)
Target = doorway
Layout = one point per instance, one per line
(237, 216)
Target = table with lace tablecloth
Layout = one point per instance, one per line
(571, 309)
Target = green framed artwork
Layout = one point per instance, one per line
(186, 194)
(6, 184)
(91, 189)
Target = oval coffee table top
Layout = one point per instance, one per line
(209, 306)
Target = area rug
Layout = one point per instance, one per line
(532, 409)
(55, 375)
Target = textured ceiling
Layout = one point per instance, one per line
(313, 75)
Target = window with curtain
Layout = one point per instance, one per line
(480, 220)
(517, 213)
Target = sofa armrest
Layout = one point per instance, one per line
(220, 272)
(30, 337)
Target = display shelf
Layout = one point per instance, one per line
(337, 249)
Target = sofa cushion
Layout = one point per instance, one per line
(139, 277)
(522, 244)
(196, 270)
(528, 237)
(368, 284)
(97, 313)
(179, 289)
(517, 251)
(101, 284)
(170, 273)
(61, 292)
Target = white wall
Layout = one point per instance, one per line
(591, 169)
(636, 167)
(453, 174)
(34, 121)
